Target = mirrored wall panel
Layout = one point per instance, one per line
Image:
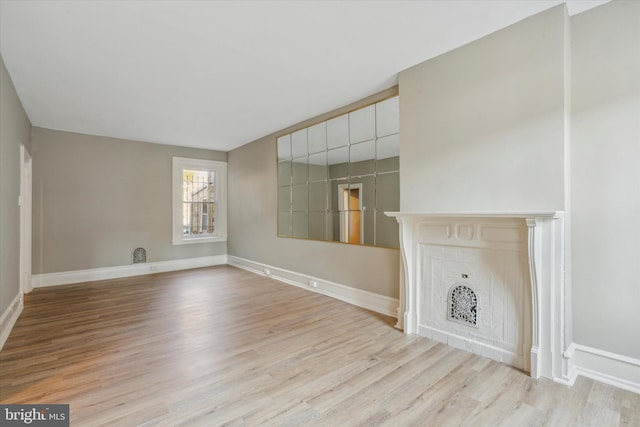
(337, 178)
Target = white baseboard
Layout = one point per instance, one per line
(374, 302)
(472, 346)
(80, 276)
(609, 368)
(9, 318)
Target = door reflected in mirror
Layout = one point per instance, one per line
(338, 177)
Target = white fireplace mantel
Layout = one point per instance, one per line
(550, 293)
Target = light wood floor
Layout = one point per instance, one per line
(221, 346)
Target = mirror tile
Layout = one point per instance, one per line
(319, 226)
(318, 170)
(284, 173)
(338, 132)
(317, 138)
(284, 199)
(300, 224)
(388, 117)
(362, 124)
(299, 171)
(284, 147)
(284, 224)
(318, 196)
(387, 194)
(300, 198)
(299, 143)
(362, 158)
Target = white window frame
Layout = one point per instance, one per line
(220, 192)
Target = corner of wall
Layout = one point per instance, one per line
(606, 367)
(568, 294)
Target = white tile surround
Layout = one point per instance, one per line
(514, 261)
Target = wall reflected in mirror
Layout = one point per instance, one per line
(338, 177)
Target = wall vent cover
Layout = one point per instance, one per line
(463, 305)
(139, 255)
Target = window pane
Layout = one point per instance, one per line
(198, 202)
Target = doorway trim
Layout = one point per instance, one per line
(345, 211)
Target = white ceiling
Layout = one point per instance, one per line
(219, 74)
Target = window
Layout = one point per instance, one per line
(199, 201)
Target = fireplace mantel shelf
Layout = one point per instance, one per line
(486, 214)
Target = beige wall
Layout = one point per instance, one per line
(605, 177)
(96, 199)
(253, 223)
(14, 131)
(483, 126)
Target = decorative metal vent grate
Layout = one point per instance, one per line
(463, 305)
(139, 255)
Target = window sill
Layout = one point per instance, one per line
(193, 240)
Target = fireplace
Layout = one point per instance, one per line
(491, 283)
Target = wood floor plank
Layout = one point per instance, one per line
(222, 346)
